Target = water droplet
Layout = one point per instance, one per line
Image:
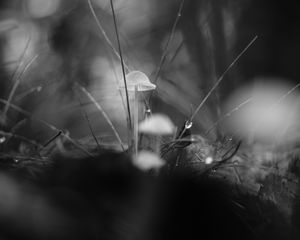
(188, 124)
(2, 139)
(148, 112)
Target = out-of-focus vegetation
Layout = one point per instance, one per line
(60, 89)
(47, 46)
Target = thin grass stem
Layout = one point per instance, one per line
(50, 126)
(16, 84)
(271, 108)
(220, 79)
(13, 135)
(89, 124)
(104, 33)
(136, 120)
(170, 38)
(98, 106)
(51, 139)
(122, 63)
(165, 50)
(216, 85)
(21, 59)
(228, 114)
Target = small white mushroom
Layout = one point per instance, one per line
(136, 81)
(139, 79)
(158, 125)
(146, 160)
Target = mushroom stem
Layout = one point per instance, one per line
(135, 120)
(157, 145)
(136, 82)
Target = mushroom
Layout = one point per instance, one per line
(158, 125)
(136, 82)
(146, 160)
(139, 79)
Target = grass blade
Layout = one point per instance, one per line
(104, 34)
(51, 139)
(20, 61)
(170, 38)
(50, 126)
(176, 51)
(270, 109)
(97, 105)
(13, 135)
(122, 63)
(220, 79)
(16, 84)
(165, 50)
(228, 114)
(89, 124)
(217, 84)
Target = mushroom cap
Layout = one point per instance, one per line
(146, 160)
(139, 79)
(157, 124)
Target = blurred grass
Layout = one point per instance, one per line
(196, 48)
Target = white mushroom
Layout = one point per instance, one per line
(139, 79)
(158, 125)
(136, 81)
(146, 160)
